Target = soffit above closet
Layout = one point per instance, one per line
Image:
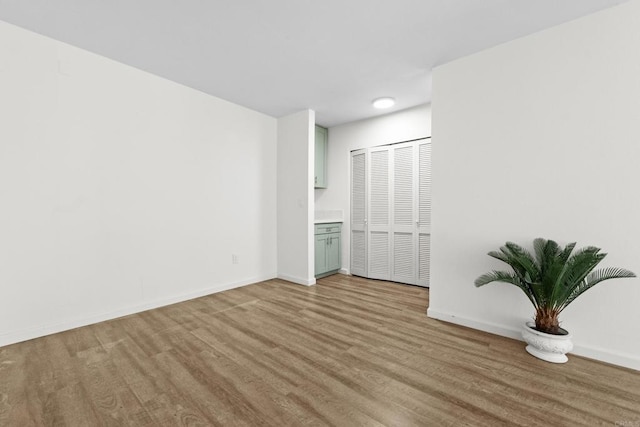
(282, 56)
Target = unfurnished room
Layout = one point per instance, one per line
(287, 213)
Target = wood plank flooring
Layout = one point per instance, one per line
(347, 352)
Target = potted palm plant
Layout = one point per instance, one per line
(552, 279)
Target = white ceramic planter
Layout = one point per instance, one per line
(551, 348)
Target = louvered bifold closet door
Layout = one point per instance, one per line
(424, 213)
(379, 225)
(358, 221)
(403, 213)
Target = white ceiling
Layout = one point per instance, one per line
(282, 56)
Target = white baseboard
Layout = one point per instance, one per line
(603, 355)
(492, 328)
(344, 271)
(41, 331)
(620, 359)
(297, 280)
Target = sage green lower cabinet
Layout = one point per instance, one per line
(328, 249)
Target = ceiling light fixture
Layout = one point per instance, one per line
(385, 102)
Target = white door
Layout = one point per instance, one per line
(358, 219)
(423, 243)
(403, 213)
(379, 224)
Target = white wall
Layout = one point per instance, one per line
(296, 137)
(121, 191)
(539, 137)
(405, 125)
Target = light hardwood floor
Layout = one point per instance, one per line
(347, 352)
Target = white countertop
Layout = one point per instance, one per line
(327, 220)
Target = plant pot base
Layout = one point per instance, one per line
(547, 347)
(546, 356)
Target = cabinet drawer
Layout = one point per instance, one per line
(333, 227)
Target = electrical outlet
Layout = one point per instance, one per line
(234, 258)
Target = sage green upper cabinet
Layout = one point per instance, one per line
(321, 157)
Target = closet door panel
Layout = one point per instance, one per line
(379, 256)
(403, 186)
(378, 227)
(424, 259)
(403, 222)
(358, 253)
(379, 197)
(358, 218)
(424, 213)
(403, 266)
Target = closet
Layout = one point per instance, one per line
(391, 212)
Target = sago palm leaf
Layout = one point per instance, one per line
(525, 267)
(549, 253)
(499, 255)
(523, 263)
(593, 279)
(553, 261)
(559, 265)
(578, 266)
(506, 277)
(582, 262)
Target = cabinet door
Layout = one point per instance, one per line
(321, 254)
(321, 158)
(334, 252)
